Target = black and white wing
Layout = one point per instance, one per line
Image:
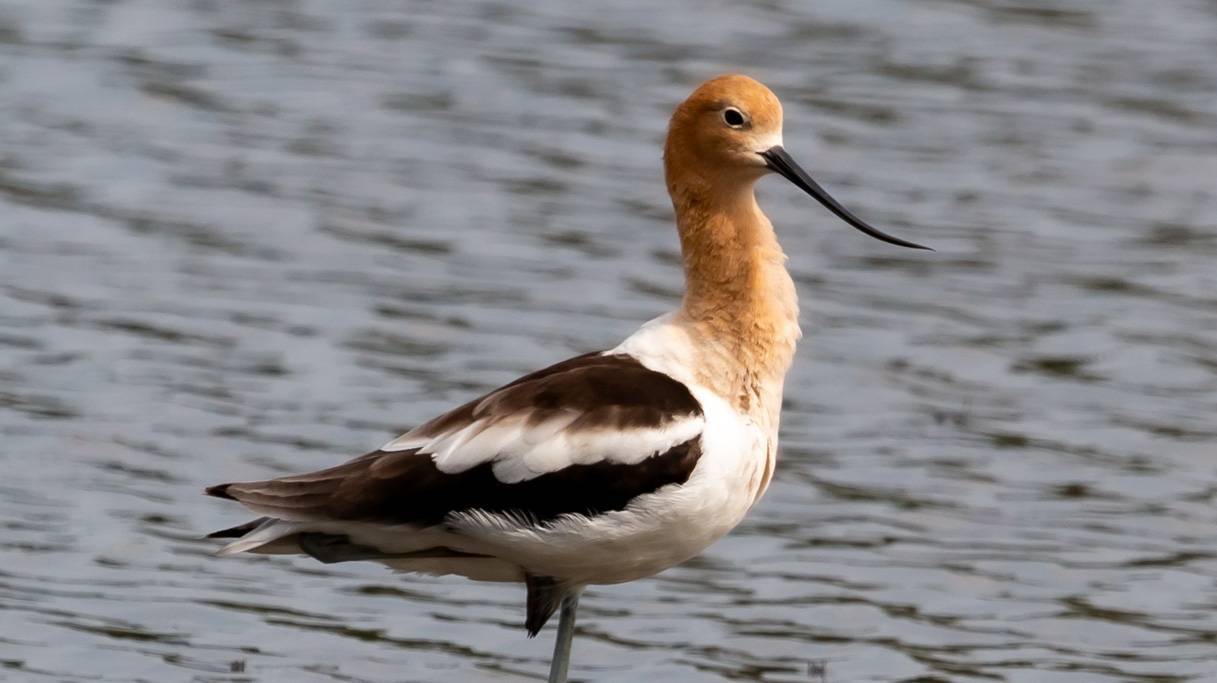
(584, 436)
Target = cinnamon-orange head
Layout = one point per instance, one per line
(727, 135)
(719, 132)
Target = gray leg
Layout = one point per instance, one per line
(566, 632)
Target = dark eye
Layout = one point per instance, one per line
(733, 117)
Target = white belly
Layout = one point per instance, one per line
(655, 531)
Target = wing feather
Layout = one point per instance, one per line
(587, 435)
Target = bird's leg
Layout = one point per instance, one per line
(566, 632)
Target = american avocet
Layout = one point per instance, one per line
(611, 466)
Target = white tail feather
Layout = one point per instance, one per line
(262, 539)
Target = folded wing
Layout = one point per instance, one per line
(585, 436)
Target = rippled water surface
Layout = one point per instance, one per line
(245, 239)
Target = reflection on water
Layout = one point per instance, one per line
(240, 240)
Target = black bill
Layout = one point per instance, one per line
(778, 160)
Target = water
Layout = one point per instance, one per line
(246, 239)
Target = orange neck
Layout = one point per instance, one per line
(740, 304)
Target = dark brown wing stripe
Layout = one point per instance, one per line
(611, 392)
(407, 488)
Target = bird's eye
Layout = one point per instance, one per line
(733, 117)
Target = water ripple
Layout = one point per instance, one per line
(246, 241)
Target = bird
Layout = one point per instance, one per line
(610, 466)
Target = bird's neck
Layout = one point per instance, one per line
(740, 306)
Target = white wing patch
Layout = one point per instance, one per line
(522, 451)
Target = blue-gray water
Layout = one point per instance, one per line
(241, 239)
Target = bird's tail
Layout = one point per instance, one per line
(262, 535)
